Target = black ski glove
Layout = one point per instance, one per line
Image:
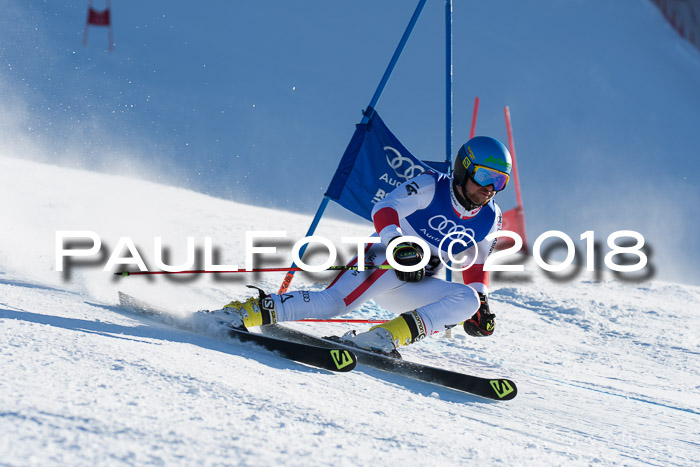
(483, 322)
(408, 254)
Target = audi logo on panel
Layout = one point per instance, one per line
(403, 167)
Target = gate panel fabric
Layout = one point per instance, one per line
(374, 163)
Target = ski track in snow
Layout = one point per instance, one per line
(607, 371)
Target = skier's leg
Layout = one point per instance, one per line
(435, 305)
(440, 304)
(348, 291)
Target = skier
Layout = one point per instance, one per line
(429, 206)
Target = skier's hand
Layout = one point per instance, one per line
(408, 254)
(483, 322)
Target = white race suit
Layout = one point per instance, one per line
(425, 207)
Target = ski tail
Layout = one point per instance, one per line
(333, 359)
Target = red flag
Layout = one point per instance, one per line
(98, 18)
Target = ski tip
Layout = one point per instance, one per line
(503, 389)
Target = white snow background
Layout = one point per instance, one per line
(603, 92)
(607, 371)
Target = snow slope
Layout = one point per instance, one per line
(607, 370)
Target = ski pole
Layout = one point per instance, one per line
(341, 320)
(332, 268)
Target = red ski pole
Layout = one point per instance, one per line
(341, 320)
(332, 268)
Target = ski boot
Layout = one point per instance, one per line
(256, 311)
(385, 338)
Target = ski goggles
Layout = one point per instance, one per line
(485, 176)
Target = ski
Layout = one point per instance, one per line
(328, 358)
(332, 358)
(333, 355)
(492, 388)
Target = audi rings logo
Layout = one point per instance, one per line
(403, 166)
(446, 227)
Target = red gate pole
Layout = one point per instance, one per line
(476, 111)
(511, 145)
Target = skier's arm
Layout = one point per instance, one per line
(475, 276)
(406, 199)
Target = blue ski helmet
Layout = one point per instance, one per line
(485, 160)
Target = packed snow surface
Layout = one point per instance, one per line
(607, 370)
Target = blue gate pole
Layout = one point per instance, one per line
(367, 114)
(392, 63)
(448, 97)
